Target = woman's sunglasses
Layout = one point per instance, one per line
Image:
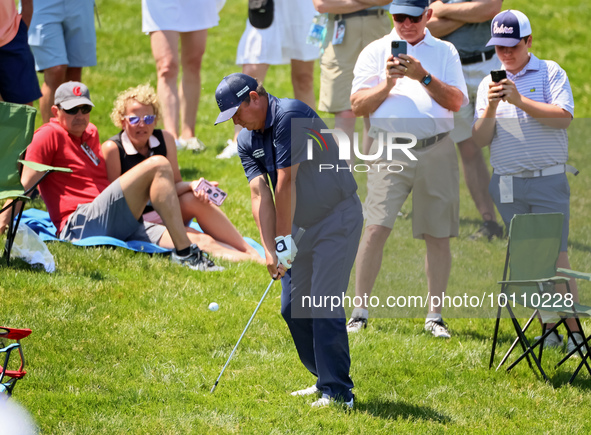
(400, 18)
(135, 120)
(74, 110)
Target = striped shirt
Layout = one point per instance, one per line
(521, 142)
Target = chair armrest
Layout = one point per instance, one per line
(535, 281)
(43, 168)
(574, 273)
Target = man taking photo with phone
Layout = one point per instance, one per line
(414, 93)
(529, 148)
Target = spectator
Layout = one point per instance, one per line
(136, 112)
(528, 151)
(413, 93)
(281, 43)
(327, 207)
(167, 23)
(63, 41)
(466, 24)
(364, 22)
(84, 204)
(18, 80)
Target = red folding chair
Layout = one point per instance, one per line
(6, 386)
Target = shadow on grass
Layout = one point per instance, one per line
(393, 410)
(579, 246)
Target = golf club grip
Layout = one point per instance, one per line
(243, 332)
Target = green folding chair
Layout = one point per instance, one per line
(17, 124)
(529, 278)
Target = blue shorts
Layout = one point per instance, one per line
(18, 79)
(550, 194)
(62, 33)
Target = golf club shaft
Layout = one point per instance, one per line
(243, 332)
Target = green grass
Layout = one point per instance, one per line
(124, 342)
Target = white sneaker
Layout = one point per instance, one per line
(192, 144)
(231, 150)
(571, 345)
(356, 324)
(438, 328)
(553, 340)
(307, 391)
(326, 400)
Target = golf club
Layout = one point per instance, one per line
(296, 239)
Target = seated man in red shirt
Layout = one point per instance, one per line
(84, 204)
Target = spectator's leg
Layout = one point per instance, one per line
(437, 267)
(369, 259)
(53, 78)
(302, 80)
(165, 52)
(74, 74)
(192, 50)
(565, 264)
(345, 120)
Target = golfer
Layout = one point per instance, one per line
(324, 218)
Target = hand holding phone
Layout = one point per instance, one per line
(498, 74)
(214, 193)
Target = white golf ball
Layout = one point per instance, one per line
(214, 306)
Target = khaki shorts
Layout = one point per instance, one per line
(434, 181)
(338, 61)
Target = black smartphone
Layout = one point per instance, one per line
(498, 74)
(398, 47)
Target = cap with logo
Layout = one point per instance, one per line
(414, 8)
(508, 27)
(260, 13)
(231, 92)
(72, 94)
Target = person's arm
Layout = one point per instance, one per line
(547, 114)
(112, 160)
(474, 11)
(285, 199)
(445, 95)
(182, 187)
(29, 178)
(263, 211)
(27, 11)
(346, 6)
(483, 130)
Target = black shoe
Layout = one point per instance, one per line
(489, 229)
(196, 260)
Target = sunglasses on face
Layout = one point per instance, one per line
(74, 110)
(401, 18)
(135, 120)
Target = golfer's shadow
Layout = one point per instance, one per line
(390, 410)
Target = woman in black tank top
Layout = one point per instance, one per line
(136, 113)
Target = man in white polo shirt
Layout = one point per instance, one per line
(413, 93)
(529, 147)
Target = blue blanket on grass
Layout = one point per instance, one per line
(39, 222)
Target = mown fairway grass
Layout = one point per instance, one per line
(124, 342)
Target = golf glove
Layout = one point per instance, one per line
(286, 249)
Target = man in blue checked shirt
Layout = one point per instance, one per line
(529, 147)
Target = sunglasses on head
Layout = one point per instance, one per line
(74, 110)
(135, 120)
(400, 18)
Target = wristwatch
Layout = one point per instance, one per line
(426, 80)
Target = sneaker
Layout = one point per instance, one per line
(489, 229)
(571, 345)
(356, 324)
(231, 150)
(196, 260)
(438, 328)
(307, 391)
(326, 400)
(191, 144)
(553, 340)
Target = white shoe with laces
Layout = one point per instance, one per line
(571, 345)
(437, 327)
(231, 150)
(356, 324)
(553, 340)
(326, 400)
(307, 391)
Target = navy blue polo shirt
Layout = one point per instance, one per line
(280, 146)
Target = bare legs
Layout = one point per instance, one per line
(186, 100)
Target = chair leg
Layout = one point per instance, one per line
(12, 229)
(527, 350)
(494, 345)
(510, 351)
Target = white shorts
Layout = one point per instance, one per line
(179, 15)
(464, 118)
(284, 40)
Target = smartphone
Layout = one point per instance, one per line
(215, 194)
(398, 47)
(498, 74)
